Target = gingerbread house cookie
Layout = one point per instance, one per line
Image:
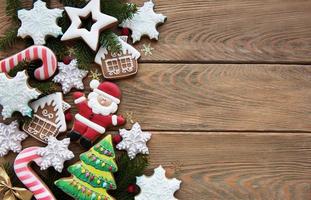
(48, 118)
(118, 65)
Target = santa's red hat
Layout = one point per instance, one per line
(107, 89)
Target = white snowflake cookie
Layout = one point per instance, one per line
(55, 154)
(39, 22)
(157, 186)
(91, 37)
(134, 141)
(11, 138)
(144, 22)
(15, 94)
(70, 76)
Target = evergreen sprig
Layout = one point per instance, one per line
(11, 8)
(9, 38)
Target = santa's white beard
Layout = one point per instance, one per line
(97, 108)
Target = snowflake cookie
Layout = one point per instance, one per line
(70, 76)
(15, 94)
(55, 154)
(144, 22)
(91, 37)
(134, 141)
(39, 22)
(11, 138)
(157, 186)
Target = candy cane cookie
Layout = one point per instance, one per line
(28, 176)
(48, 58)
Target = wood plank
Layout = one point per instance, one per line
(258, 31)
(219, 97)
(235, 166)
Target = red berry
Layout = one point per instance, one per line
(68, 117)
(125, 31)
(131, 188)
(67, 60)
(116, 139)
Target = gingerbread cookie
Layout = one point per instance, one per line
(91, 37)
(39, 22)
(144, 22)
(118, 65)
(15, 94)
(48, 117)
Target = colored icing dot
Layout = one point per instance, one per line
(93, 197)
(87, 174)
(110, 186)
(97, 161)
(92, 178)
(101, 149)
(110, 168)
(83, 189)
(79, 187)
(103, 164)
(94, 158)
(98, 181)
(104, 184)
(82, 171)
(99, 198)
(105, 152)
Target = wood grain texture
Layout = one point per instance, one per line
(235, 166)
(219, 97)
(234, 31)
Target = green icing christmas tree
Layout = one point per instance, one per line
(92, 177)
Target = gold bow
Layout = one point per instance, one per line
(10, 192)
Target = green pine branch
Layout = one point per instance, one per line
(9, 38)
(119, 9)
(110, 40)
(12, 6)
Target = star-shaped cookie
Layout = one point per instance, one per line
(134, 141)
(91, 37)
(144, 22)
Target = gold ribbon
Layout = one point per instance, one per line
(10, 192)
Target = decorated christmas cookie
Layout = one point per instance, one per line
(39, 22)
(134, 141)
(157, 186)
(15, 94)
(11, 138)
(55, 154)
(95, 113)
(118, 65)
(101, 21)
(70, 76)
(48, 117)
(144, 22)
(92, 177)
(48, 58)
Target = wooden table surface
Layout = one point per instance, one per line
(227, 96)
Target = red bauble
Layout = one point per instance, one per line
(125, 31)
(67, 60)
(132, 188)
(117, 139)
(68, 117)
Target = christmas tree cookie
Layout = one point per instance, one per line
(92, 177)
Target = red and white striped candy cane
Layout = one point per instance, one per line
(46, 55)
(27, 175)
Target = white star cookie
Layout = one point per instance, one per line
(134, 141)
(157, 186)
(39, 22)
(91, 37)
(15, 94)
(11, 138)
(55, 154)
(144, 22)
(70, 76)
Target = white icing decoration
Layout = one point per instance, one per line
(147, 49)
(134, 141)
(70, 76)
(15, 94)
(90, 37)
(157, 186)
(144, 22)
(125, 48)
(55, 154)
(39, 22)
(11, 138)
(56, 99)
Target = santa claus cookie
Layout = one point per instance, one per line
(96, 112)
